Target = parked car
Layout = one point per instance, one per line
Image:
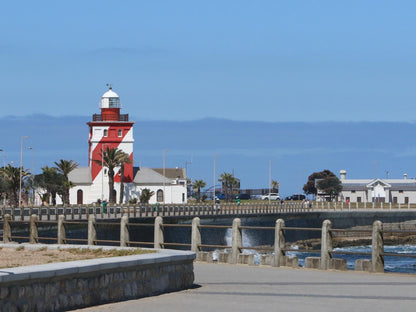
(296, 197)
(242, 196)
(272, 196)
(220, 196)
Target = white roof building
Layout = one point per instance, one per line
(401, 191)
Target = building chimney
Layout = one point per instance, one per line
(342, 174)
(405, 176)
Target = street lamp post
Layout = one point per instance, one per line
(164, 157)
(4, 173)
(215, 162)
(21, 168)
(32, 174)
(270, 178)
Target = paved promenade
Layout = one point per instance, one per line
(244, 288)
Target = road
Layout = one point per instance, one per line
(224, 287)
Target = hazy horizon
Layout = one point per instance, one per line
(296, 149)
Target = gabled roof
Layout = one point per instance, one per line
(377, 182)
(80, 175)
(146, 175)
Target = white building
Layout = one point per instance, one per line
(108, 130)
(401, 191)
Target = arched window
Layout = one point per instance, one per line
(159, 196)
(80, 197)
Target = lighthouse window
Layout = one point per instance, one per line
(120, 132)
(114, 102)
(105, 132)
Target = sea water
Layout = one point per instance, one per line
(391, 264)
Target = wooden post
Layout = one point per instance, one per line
(326, 245)
(196, 235)
(158, 237)
(279, 244)
(124, 231)
(92, 232)
(377, 250)
(237, 241)
(61, 230)
(33, 238)
(7, 230)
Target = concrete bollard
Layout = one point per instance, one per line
(237, 241)
(279, 243)
(326, 245)
(158, 238)
(377, 250)
(33, 229)
(196, 235)
(292, 262)
(61, 230)
(266, 259)
(338, 264)
(362, 265)
(124, 231)
(223, 257)
(204, 256)
(7, 230)
(312, 262)
(92, 233)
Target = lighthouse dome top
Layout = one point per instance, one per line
(110, 99)
(110, 94)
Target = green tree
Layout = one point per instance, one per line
(111, 158)
(145, 195)
(198, 185)
(65, 167)
(331, 186)
(324, 178)
(228, 181)
(11, 183)
(51, 181)
(125, 159)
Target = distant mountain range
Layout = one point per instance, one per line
(295, 149)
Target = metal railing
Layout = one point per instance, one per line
(279, 249)
(82, 212)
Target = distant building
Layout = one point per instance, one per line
(395, 191)
(110, 129)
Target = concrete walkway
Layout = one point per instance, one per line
(226, 287)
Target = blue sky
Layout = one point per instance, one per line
(185, 60)
(265, 63)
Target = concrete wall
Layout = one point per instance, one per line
(70, 285)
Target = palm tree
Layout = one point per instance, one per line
(145, 195)
(12, 182)
(111, 158)
(275, 186)
(125, 159)
(64, 167)
(198, 184)
(228, 181)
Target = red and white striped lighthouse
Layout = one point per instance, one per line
(110, 129)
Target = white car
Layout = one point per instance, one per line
(272, 196)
